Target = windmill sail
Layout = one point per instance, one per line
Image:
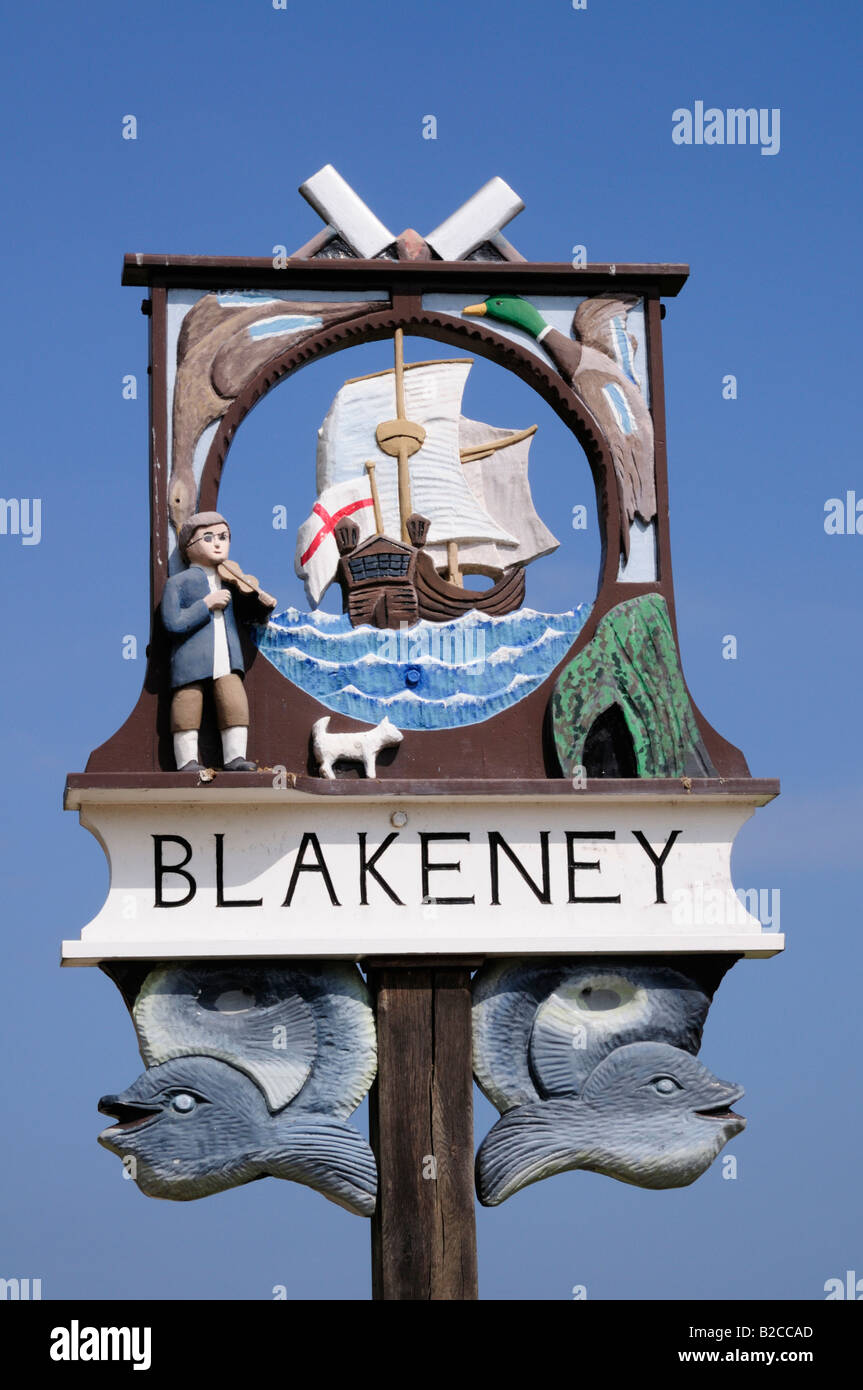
(500, 484)
(439, 488)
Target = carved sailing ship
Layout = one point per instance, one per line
(409, 505)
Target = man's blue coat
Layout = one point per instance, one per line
(190, 623)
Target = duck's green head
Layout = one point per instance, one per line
(510, 309)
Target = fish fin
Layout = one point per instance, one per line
(527, 1144)
(330, 1156)
(561, 1059)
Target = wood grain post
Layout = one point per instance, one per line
(424, 1228)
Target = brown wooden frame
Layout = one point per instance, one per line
(142, 743)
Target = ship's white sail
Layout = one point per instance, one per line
(500, 484)
(439, 488)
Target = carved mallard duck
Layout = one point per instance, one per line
(599, 364)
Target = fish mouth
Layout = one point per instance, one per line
(721, 1110)
(128, 1115)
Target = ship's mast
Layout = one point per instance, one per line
(376, 500)
(401, 437)
(454, 574)
(484, 451)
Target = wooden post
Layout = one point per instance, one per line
(424, 1229)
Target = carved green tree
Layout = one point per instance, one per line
(632, 663)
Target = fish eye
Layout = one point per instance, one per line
(665, 1085)
(183, 1102)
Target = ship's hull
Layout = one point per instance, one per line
(440, 602)
(392, 585)
(392, 606)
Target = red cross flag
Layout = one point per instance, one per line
(317, 556)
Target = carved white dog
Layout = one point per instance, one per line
(354, 747)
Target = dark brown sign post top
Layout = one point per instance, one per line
(532, 797)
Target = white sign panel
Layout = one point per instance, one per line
(356, 877)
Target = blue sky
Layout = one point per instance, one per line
(236, 105)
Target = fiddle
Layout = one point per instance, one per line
(245, 584)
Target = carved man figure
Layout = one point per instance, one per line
(198, 612)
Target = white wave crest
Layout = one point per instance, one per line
(410, 697)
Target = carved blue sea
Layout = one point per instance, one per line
(430, 676)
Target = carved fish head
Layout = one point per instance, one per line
(195, 1125)
(649, 1114)
(192, 1127)
(660, 1117)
